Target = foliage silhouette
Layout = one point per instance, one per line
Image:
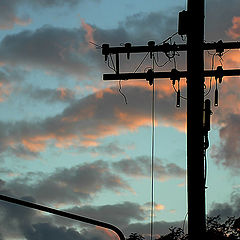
(215, 230)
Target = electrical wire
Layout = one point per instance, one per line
(152, 162)
(176, 92)
(184, 222)
(169, 38)
(152, 157)
(96, 45)
(120, 91)
(212, 67)
(139, 65)
(156, 62)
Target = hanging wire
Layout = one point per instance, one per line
(212, 67)
(152, 159)
(120, 91)
(156, 61)
(185, 98)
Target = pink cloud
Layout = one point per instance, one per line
(234, 31)
(89, 33)
(99, 115)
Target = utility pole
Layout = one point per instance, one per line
(195, 133)
(191, 24)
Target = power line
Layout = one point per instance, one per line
(152, 161)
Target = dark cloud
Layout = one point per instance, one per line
(9, 14)
(218, 22)
(118, 214)
(67, 51)
(55, 49)
(226, 209)
(112, 149)
(51, 95)
(72, 185)
(85, 122)
(47, 231)
(139, 167)
(228, 153)
(160, 228)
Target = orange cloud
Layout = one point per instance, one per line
(89, 33)
(234, 31)
(36, 143)
(5, 91)
(83, 114)
(159, 207)
(88, 143)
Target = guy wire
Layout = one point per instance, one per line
(152, 159)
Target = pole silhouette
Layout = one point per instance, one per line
(191, 24)
(195, 134)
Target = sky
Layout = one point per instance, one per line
(69, 141)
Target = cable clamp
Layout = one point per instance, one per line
(219, 74)
(150, 76)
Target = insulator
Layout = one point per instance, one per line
(151, 44)
(178, 98)
(183, 23)
(219, 74)
(150, 76)
(128, 46)
(216, 98)
(105, 51)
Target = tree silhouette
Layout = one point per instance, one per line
(135, 236)
(215, 230)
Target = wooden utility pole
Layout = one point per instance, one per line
(195, 133)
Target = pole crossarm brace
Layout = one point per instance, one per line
(181, 74)
(64, 214)
(166, 47)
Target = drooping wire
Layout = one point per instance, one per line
(212, 67)
(120, 91)
(156, 62)
(112, 67)
(152, 159)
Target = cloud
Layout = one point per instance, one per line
(220, 21)
(50, 232)
(54, 49)
(49, 95)
(226, 209)
(160, 228)
(86, 121)
(73, 185)
(9, 16)
(112, 149)
(120, 214)
(234, 31)
(89, 33)
(227, 152)
(139, 167)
